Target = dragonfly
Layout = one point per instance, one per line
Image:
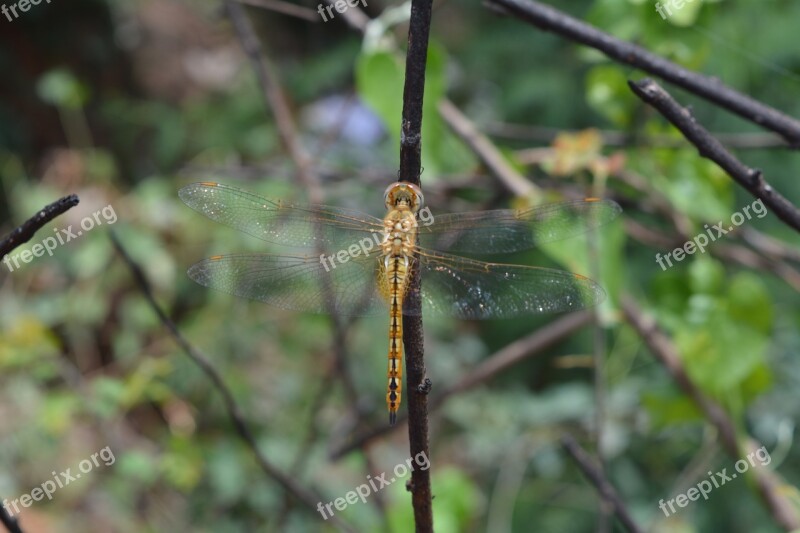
(362, 264)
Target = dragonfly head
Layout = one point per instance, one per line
(404, 194)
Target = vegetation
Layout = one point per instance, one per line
(122, 103)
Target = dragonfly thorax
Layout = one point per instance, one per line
(400, 230)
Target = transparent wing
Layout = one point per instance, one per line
(277, 221)
(295, 282)
(506, 230)
(475, 290)
(451, 286)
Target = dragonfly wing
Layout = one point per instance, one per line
(475, 290)
(281, 222)
(507, 230)
(295, 282)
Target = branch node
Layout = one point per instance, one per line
(425, 387)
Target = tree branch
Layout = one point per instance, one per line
(417, 384)
(710, 148)
(28, 229)
(711, 89)
(594, 474)
(11, 523)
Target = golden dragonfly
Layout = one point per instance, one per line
(362, 264)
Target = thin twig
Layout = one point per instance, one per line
(709, 88)
(604, 487)
(730, 252)
(665, 352)
(285, 8)
(510, 355)
(624, 139)
(417, 384)
(769, 245)
(275, 99)
(28, 229)
(710, 148)
(308, 498)
(488, 153)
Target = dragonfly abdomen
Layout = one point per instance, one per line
(397, 277)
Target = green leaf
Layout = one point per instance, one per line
(608, 94)
(750, 303)
(457, 500)
(667, 407)
(722, 353)
(380, 79)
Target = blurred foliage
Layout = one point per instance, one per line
(124, 102)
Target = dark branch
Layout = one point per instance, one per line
(414, 91)
(308, 499)
(410, 169)
(11, 523)
(711, 89)
(594, 474)
(712, 149)
(26, 231)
